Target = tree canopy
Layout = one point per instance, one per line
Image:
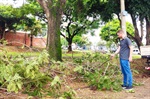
(78, 11)
(78, 20)
(15, 18)
(9, 18)
(108, 31)
(135, 8)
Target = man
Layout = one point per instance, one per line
(125, 54)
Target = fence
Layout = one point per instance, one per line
(22, 38)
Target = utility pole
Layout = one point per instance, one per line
(123, 14)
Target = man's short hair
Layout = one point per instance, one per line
(120, 31)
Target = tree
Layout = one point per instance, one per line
(78, 28)
(53, 10)
(9, 18)
(76, 21)
(139, 10)
(35, 27)
(81, 41)
(108, 32)
(134, 7)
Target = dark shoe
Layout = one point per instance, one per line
(129, 87)
(123, 86)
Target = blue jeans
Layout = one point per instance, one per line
(126, 71)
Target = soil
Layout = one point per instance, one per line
(141, 92)
(84, 92)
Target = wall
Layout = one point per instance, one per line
(22, 38)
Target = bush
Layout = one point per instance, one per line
(18, 72)
(99, 71)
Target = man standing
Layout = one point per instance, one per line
(125, 54)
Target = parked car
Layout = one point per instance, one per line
(136, 51)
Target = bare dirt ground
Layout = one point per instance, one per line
(84, 92)
(141, 92)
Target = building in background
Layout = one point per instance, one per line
(23, 38)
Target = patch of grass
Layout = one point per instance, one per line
(18, 53)
(76, 53)
(15, 51)
(99, 71)
(136, 56)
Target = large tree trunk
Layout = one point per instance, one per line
(53, 14)
(53, 44)
(69, 44)
(31, 41)
(137, 37)
(142, 28)
(2, 30)
(147, 31)
(3, 34)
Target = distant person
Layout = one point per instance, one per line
(125, 55)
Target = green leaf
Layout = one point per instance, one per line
(19, 84)
(11, 86)
(16, 77)
(56, 81)
(78, 69)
